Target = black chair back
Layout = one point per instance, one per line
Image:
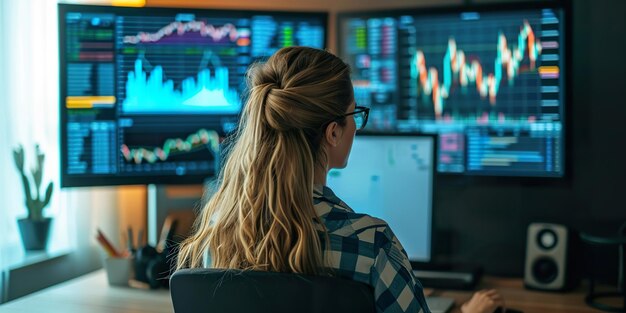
(234, 291)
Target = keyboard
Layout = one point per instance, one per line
(439, 304)
(447, 276)
(446, 280)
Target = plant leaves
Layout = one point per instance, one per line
(18, 156)
(46, 199)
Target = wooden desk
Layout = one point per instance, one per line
(519, 298)
(91, 293)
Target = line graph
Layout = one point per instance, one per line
(227, 31)
(201, 140)
(457, 66)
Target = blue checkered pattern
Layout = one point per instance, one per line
(364, 249)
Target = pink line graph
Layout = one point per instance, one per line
(180, 28)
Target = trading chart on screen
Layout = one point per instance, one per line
(489, 82)
(148, 93)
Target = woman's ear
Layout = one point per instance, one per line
(333, 134)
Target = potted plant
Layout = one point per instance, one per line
(35, 228)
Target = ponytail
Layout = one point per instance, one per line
(262, 215)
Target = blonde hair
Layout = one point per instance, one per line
(262, 216)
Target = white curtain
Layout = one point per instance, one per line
(29, 102)
(4, 156)
(29, 114)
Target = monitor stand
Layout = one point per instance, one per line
(153, 227)
(165, 202)
(447, 275)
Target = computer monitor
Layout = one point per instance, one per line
(146, 94)
(391, 177)
(489, 79)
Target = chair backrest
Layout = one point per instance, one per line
(234, 291)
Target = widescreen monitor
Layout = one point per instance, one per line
(146, 94)
(490, 80)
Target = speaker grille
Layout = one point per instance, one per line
(545, 270)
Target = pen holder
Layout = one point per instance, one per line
(119, 270)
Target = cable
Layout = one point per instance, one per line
(620, 271)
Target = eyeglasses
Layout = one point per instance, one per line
(360, 116)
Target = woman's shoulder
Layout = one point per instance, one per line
(340, 218)
(365, 227)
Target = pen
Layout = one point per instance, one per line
(140, 238)
(106, 244)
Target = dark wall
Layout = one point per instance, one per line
(484, 220)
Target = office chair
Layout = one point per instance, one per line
(234, 291)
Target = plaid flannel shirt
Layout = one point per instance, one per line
(364, 249)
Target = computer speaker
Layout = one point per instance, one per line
(549, 247)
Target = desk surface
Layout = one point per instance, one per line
(91, 293)
(519, 298)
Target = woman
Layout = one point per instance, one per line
(272, 210)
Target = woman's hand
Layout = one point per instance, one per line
(484, 301)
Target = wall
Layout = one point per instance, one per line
(131, 207)
(484, 220)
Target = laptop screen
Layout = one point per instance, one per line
(390, 177)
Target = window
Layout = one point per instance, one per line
(29, 91)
